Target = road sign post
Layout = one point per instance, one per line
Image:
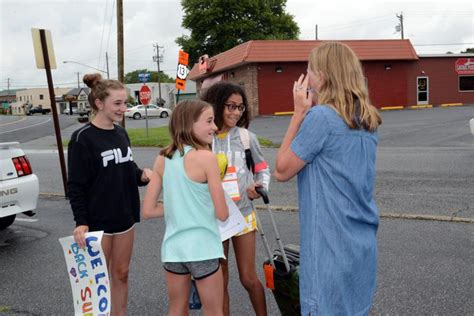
(44, 54)
(145, 98)
(182, 72)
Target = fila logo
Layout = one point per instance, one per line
(116, 156)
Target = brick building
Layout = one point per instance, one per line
(395, 74)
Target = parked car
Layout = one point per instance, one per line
(84, 112)
(19, 187)
(37, 109)
(67, 111)
(137, 112)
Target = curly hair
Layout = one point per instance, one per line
(218, 94)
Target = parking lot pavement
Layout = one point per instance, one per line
(424, 268)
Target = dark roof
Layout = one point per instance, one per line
(76, 91)
(9, 92)
(298, 51)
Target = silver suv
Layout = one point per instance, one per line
(19, 187)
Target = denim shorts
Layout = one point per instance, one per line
(197, 269)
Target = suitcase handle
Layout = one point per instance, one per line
(263, 194)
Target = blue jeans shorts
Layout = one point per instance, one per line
(198, 269)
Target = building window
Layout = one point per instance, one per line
(279, 69)
(466, 83)
(20, 98)
(41, 97)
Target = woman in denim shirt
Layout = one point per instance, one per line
(332, 148)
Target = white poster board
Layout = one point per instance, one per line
(234, 224)
(87, 272)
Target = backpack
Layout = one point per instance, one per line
(245, 138)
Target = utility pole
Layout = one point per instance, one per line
(158, 58)
(8, 90)
(400, 17)
(316, 33)
(120, 66)
(78, 73)
(107, 63)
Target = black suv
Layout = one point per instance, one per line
(37, 109)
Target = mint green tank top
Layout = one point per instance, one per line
(191, 231)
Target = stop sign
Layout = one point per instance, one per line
(145, 95)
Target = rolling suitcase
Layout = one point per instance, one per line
(282, 268)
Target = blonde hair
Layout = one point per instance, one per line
(184, 116)
(344, 85)
(100, 88)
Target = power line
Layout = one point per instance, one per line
(103, 30)
(356, 23)
(110, 25)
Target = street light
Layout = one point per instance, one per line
(75, 62)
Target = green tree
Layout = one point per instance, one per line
(132, 77)
(468, 51)
(218, 25)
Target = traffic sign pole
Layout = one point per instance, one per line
(145, 98)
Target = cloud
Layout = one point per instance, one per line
(83, 30)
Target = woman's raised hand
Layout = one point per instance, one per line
(302, 96)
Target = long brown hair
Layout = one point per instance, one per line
(344, 85)
(100, 88)
(185, 114)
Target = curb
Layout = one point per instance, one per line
(292, 209)
(419, 106)
(283, 113)
(438, 218)
(397, 107)
(451, 104)
(386, 108)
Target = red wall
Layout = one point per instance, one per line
(275, 88)
(443, 81)
(387, 81)
(387, 87)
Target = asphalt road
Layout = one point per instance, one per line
(28, 128)
(424, 166)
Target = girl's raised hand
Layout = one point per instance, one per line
(302, 97)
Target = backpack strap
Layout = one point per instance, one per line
(245, 138)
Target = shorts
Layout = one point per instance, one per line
(198, 269)
(118, 231)
(250, 224)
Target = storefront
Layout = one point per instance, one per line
(395, 74)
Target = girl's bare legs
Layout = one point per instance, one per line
(244, 248)
(211, 293)
(225, 274)
(179, 286)
(118, 252)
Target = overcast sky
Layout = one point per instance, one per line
(83, 30)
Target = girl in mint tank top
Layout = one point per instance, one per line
(187, 174)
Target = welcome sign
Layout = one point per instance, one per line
(87, 271)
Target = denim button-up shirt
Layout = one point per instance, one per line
(338, 215)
